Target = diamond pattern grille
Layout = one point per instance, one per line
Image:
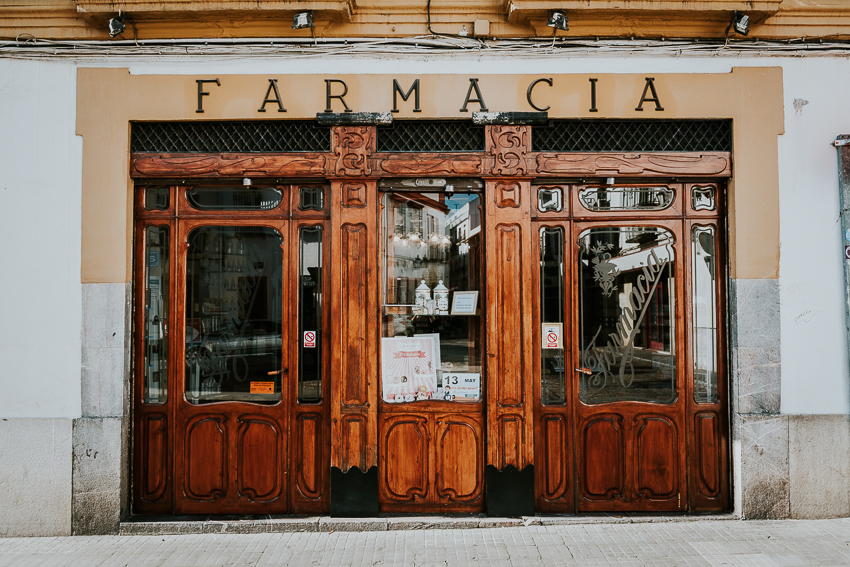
(431, 136)
(633, 136)
(236, 137)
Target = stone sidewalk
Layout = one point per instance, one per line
(586, 542)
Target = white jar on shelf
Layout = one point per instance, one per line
(423, 295)
(441, 294)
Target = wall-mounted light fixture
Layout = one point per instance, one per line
(740, 23)
(116, 25)
(558, 20)
(302, 20)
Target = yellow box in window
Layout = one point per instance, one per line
(262, 387)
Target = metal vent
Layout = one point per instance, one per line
(236, 137)
(431, 136)
(633, 136)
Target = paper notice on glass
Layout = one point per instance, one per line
(409, 372)
(462, 386)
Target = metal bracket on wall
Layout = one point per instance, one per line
(843, 145)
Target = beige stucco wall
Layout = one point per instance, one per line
(108, 99)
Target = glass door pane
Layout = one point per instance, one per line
(627, 315)
(233, 314)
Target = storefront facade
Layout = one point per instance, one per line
(486, 284)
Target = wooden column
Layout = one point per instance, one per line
(508, 244)
(354, 324)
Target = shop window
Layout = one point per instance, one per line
(156, 309)
(234, 198)
(311, 198)
(627, 315)
(156, 198)
(550, 199)
(626, 198)
(552, 388)
(432, 330)
(705, 314)
(310, 314)
(233, 314)
(703, 198)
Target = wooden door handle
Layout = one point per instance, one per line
(587, 371)
(282, 371)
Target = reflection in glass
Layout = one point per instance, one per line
(549, 199)
(311, 198)
(156, 312)
(233, 314)
(626, 198)
(156, 198)
(433, 248)
(310, 314)
(702, 198)
(234, 198)
(705, 315)
(627, 315)
(552, 314)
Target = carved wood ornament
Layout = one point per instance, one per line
(352, 147)
(509, 145)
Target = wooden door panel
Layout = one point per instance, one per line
(206, 468)
(508, 286)
(554, 458)
(459, 449)
(404, 455)
(602, 445)
(657, 463)
(707, 427)
(259, 442)
(353, 369)
(309, 441)
(153, 435)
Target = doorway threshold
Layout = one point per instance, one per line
(232, 524)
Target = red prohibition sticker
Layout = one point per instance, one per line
(847, 252)
(309, 339)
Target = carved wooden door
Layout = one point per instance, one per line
(627, 345)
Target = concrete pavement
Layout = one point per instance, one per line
(587, 542)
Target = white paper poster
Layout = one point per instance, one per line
(409, 371)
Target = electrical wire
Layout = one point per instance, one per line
(26, 46)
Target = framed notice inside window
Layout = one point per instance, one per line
(464, 303)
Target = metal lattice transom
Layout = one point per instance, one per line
(237, 137)
(633, 136)
(431, 136)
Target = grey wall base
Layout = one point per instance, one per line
(101, 447)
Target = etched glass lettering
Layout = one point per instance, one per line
(627, 315)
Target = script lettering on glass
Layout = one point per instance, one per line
(627, 315)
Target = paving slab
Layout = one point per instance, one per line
(426, 541)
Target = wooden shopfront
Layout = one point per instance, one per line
(430, 317)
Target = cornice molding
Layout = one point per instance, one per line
(642, 19)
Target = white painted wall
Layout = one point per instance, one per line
(40, 192)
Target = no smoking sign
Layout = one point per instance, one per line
(309, 339)
(552, 335)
